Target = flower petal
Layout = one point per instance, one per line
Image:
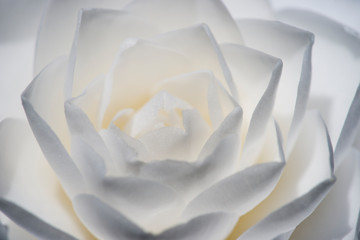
(91, 101)
(212, 226)
(348, 132)
(203, 92)
(257, 76)
(171, 15)
(80, 126)
(58, 26)
(49, 141)
(344, 12)
(190, 179)
(104, 221)
(178, 143)
(337, 214)
(142, 201)
(241, 191)
(309, 169)
(335, 60)
(31, 183)
(31, 223)
(250, 9)
(290, 215)
(293, 46)
(98, 38)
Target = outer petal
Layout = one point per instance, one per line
(31, 223)
(29, 181)
(249, 9)
(288, 216)
(337, 214)
(106, 223)
(256, 76)
(49, 141)
(211, 226)
(336, 60)
(293, 46)
(171, 15)
(345, 12)
(58, 26)
(307, 177)
(98, 37)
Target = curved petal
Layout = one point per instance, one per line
(31, 223)
(337, 214)
(212, 226)
(48, 140)
(335, 60)
(257, 76)
(104, 221)
(80, 126)
(190, 179)
(31, 183)
(161, 109)
(283, 236)
(240, 192)
(58, 26)
(145, 202)
(250, 9)
(290, 215)
(124, 150)
(309, 167)
(293, 46)
(98, 37)
(203, 92)
(344, 12)
(171, 15)
(91, 101)
(156, 63)
(178, 143)
(349, 130)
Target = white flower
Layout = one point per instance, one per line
(171, 120)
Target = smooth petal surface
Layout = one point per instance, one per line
(52, 147)
(293, 46)
(250, 9)
(142, 201)
(98, 37)
(58, 26)
(309, 169)
(171, 15)
(343, 12)
(336, 59)
(190, 179)
(211, 226)
(104, 221)
(31, 183)
(337, 214)
(203, 92)
(349, 130)
(241, 191)
(290, 215)
(256, 76)
(31, 223)
(80, 126)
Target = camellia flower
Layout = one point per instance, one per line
(165, 119)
